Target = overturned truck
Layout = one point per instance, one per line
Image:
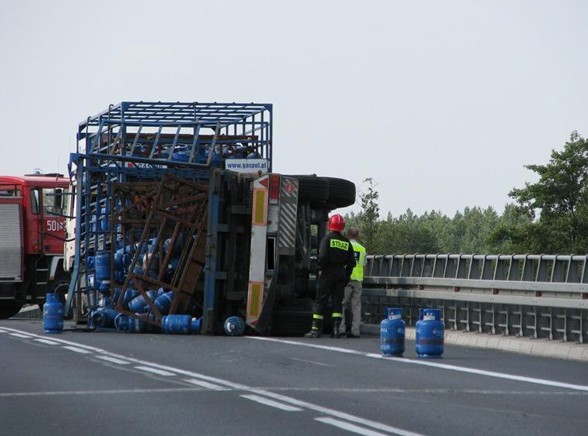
(177, 211)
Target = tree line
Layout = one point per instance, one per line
(549, 216)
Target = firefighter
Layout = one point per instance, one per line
(335, 262)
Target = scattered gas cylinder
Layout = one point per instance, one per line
(126, 323)
(52, 314)
(234, 326)
(102, 317)
(180, 324)
(430, 333)
(392, 333)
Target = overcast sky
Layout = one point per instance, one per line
(442, 103)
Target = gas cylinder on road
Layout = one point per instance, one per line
(392, 333)
(125, 323)
(234, 326)
(180, 324)
(430, 333)
(52, 314)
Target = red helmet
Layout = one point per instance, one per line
(336, 223)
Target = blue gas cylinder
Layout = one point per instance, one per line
(90, 263)
(126, 323)
(234, 326)
(180, 324)
(430, 333)
(139, 304)
(102, 266)
(52, 314)
(163, 302)
(392, 332)
(102, 317)
(181, 154)
(103, 219)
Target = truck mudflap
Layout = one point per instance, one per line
(260, 306)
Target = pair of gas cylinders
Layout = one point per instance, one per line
(430, 333)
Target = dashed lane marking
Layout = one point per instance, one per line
(272, 403)
(96, 392)
(350, 427)
(76, 349)
(113, 360)
(206, 385)
(46, 341)
(18, 335)
(155, 371)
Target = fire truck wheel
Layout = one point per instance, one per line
(9, 308)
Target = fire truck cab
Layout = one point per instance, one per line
(31, 240)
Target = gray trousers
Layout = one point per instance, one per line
(352, 302)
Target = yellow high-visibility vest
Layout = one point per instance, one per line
(360, 261)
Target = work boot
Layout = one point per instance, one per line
(336, 326)
(316, 329)
(348, 320)
(312, 334)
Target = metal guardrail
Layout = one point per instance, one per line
(526, 295)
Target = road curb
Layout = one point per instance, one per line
(530, 346)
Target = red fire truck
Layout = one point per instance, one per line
(32, 238)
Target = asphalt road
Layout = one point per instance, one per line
(107, 382)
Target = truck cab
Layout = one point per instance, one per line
(32, 228)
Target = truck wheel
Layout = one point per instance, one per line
(312, 188)
(9, 308)
(341, 192)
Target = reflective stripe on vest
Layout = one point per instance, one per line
(360, 255)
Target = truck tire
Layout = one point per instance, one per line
(312, 188)
(341, 192)
(9, 308)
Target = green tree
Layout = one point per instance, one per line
(557, 203)
(369, 216)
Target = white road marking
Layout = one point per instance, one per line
(76, 349)
(47, 341)
(18, 335)
(422, 391)
(215, 380)
(206, 385)
(494, 374)
(154, 370)
(113, 360)
(335, 413)
(349, 427)
(104, 392)
(272, 403)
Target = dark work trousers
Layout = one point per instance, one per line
(331, 283)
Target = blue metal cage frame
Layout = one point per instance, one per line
(192, 133)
